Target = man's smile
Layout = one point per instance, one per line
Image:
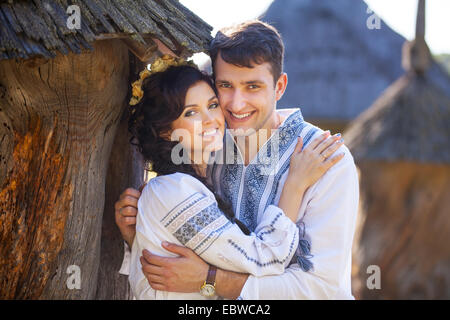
(241, 117)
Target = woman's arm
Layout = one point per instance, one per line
(307, 166)
(181, 210)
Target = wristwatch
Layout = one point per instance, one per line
(208, 289)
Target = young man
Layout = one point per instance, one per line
(247, 63)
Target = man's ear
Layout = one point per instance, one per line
(280, 86)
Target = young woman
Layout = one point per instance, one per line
(180, 103)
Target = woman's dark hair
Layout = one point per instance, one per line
(163, 102)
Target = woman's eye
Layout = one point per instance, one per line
(189, 113)
(253, 86)
(224, 85)
(214, 106)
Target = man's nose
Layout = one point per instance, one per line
(238, 102)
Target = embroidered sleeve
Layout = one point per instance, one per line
(196, 223)
(183, 211)
(201, 226)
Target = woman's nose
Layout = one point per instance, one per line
(208, 117)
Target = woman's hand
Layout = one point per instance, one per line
(307, 166)
(126, 212)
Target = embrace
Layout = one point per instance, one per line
(249, 202)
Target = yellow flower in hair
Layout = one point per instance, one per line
(159, 65)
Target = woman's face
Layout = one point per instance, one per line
(201, 124)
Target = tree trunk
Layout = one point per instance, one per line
(125, 170)
(58, 120)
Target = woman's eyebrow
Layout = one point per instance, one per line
(195, 105)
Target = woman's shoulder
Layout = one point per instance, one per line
(176, 179)
(176, 185)
(164, 194)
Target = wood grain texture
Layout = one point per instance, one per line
(125, 170)
(39, 28)
(60, 118)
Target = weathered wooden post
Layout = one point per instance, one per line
(63, 93)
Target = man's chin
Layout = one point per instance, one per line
(242, 131)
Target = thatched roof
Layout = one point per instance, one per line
(336, 65)
(39, 27)
(410, 120)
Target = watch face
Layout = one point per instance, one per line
(208, 290)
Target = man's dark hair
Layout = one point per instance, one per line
(249, 43)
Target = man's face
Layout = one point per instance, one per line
(247, 96)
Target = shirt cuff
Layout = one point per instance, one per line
(125, 268)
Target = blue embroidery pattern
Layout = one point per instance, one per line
(271, 262)
(189, 202)
(285, 167)
(256, 183)
(303, 254)
(197, 222)
(271, 228)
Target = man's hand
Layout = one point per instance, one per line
(185, 273)
(126, 212)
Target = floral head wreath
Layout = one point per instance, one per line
(159, 65)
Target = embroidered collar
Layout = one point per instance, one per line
(286, 132)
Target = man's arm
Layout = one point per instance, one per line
(187, 273)
(330, 219)
(330, 223)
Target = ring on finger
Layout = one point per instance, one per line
(323, 157)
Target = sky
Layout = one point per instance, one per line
(400, 15)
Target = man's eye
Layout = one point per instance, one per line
(225, 85)
(213, 105)
(253, 86)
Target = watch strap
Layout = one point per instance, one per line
(211, 278)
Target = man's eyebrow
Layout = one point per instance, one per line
(243, 82)
(253, 82)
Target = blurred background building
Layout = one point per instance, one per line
(339, 58)
(351, 72)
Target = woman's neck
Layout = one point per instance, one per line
(200, 165)
(200, 169)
